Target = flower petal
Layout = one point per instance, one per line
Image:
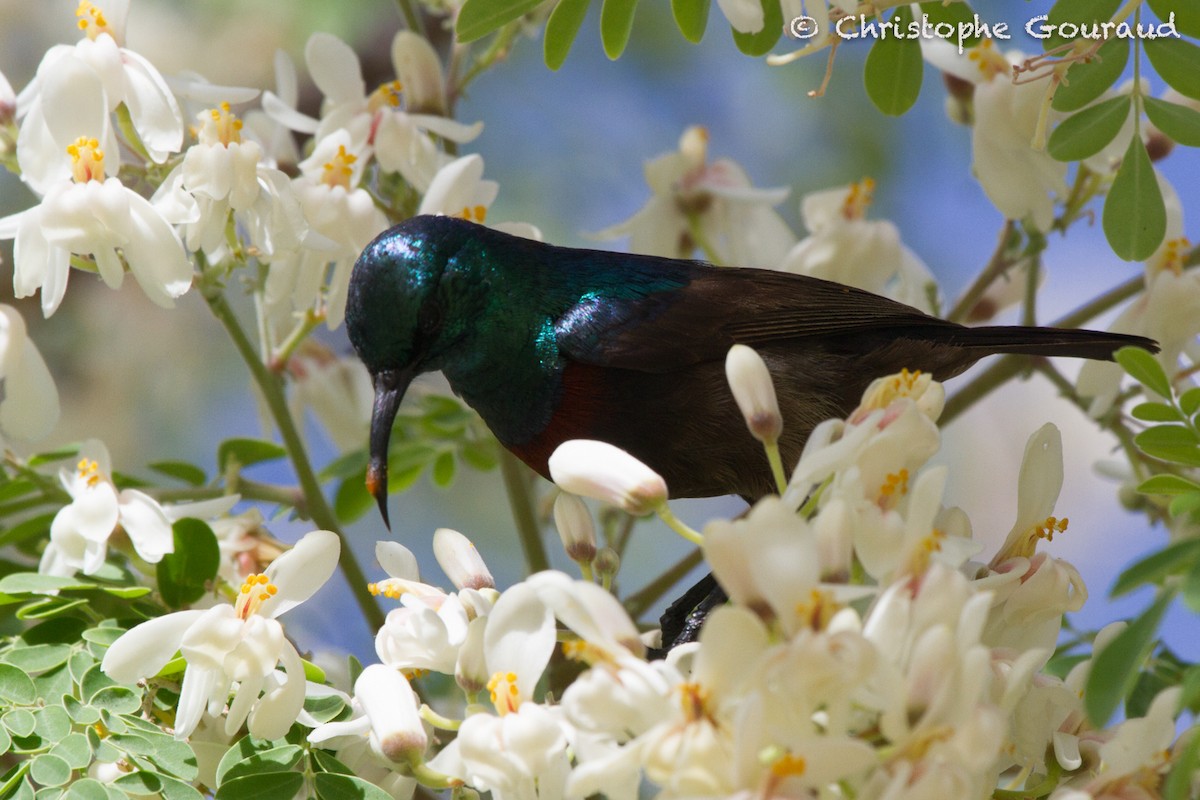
(146, 648)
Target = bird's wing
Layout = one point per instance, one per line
(719, 307)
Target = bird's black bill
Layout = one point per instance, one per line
(390, 386)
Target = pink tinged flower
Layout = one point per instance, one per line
(603, 472)
(393, 711)
(336, 389)
(30, 408)
(575, 527)
(241, 643)
(753, 390)
(461, 562)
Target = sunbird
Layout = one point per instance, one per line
(553, 343)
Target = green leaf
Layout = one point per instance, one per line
(50, 607)
(1156, 412)
(56, 631)
(760, 43)
(1087, 80)
(36, 583)
(1178, 785)
(265, 786)
(478, 18)
(443, 470)
(1189, 401)
(346, 466)
(1145, 369)
(1177, 62)
(616, 23)
(1135, 217)
(31, 528)
(1191, 587)
(51, 723)
(93, 681)
(183, 575)
(80, 714)
(91, 789)
(174, 789)
(140, 782)
(1077, 12)
(331, 786)
(399, 480)
(117, 700)
(19, 721)
(74, 749)
(1086, 133)
(561, 29)
(325, 762)
(49, 770)
(38, 657)
(5, 742)
(352, 499)
(893, 71)
(248, 451)
(50, 456)
(479, 454)
(323, 709)
(1115, 668)
(1168, 484)
(1170, 560)
(277, 759)
(1180, 123)
(181, 470)
(692, 17)
(16, 688)
(958, 15)
(1187, 14)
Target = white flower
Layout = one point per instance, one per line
(459, 190)
(575, 527)
(607, 473)
(30, 407)
(224, 173)
(120, 76)
(400, 141)
(1020, 178)
(693, 200)
(1038, 486)
(337, 390)
(844, 246)
(80, 531)
(241, 643)
(87, 213)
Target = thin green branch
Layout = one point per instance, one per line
(317, 507)
(411, 19)
(997, 265)
(520, 500)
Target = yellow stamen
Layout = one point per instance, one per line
(895, 486)
(1049, 527)
(923, 552)
(503, 691)
(990, 61)
(226, 127)
(858, 199)
(693, 699)
(473, 214)
(255, 590)
(87, 160)
(388, 95)
(389, 588)
(338, 169)
(92, 20)
(1171, 256)
(89, 470)
(817, 610)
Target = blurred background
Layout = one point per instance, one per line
(567, 149)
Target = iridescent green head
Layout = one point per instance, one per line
(396, 312)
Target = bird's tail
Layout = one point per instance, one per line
(1066, 342)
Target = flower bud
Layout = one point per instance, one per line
(606, 563)
(420, 73)
(603, 472)
(392, 708)
(754, 392)
(575, 527)
(461, 562)
(470, 670)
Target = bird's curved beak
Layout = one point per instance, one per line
(390, 386)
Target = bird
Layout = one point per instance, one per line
(549, 343)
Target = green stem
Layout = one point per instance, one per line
(519, 499)
(410, 15)
(271, 386)
(997, 265)
(249, 490)
(679, 526)
(638, 602)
